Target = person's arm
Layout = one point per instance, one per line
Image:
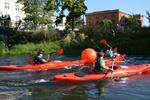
(43, 60)
(104, 66)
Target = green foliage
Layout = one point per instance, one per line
(75, 9)
(36, 12)
(133, 23)
(132, 47)
(3, 48)
(5, 21)
(30, 48)
(105, 25)
(43, 35)
(104, 28)
(18, 24)
(75, 43)
(133, 43)
(143, 33)
(148, 16)
(14, 37)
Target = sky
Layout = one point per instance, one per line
(127, 6)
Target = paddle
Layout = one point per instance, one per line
(58, 52)
(112, 67)
(103, 41)
(95, 44)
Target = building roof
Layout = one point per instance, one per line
(106, 11)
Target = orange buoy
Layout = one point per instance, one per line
(89, 55)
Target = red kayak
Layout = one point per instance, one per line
(55, 64)
(45, 66)
(120, 71)
(117, 60)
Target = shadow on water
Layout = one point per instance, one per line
(38, 85)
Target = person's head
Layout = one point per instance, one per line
(40, 53)
(101, 54)
(110, 48)
(115, 49)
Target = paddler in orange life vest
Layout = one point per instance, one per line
(100, 65)
(38, 59)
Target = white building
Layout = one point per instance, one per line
(10, 7)
(60, 26)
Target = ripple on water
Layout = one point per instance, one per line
(30, 85)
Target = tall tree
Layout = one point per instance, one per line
(5, 21)
(73, 9)
(133, 23)
(148, 16)
(106, 25)
(36, 13)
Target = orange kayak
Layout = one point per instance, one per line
(120, 71)
(54, 64)
(45, 66)
(116, 60)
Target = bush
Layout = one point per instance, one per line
(3, 48)
(144, 33)
(31, 48)
(74, 43)
(44, 35)
(132, 47)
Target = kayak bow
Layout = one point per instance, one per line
(120, 71)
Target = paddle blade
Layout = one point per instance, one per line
(103, 41)
(60, 51)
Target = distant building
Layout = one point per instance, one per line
(60, 26)
(117, 17)
(12, 9)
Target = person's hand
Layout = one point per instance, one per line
(111, 69)
(49, 55)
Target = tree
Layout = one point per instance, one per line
(36, 13)
(148, 16)
(106, 24)
(105, 27)
(133, 23)
(5, 21)
(74, 8)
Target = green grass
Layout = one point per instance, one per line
(30, 48)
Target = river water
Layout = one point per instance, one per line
(38, 85)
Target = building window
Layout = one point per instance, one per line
(17, 18)
(17, 7)
(6, 5)
(113, 15)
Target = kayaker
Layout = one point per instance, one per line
(109, 53)
(38, 59)
(115, 52)
(100, 64)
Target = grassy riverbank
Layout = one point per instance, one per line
(29, 48)
(125, 46)
(130, 43)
